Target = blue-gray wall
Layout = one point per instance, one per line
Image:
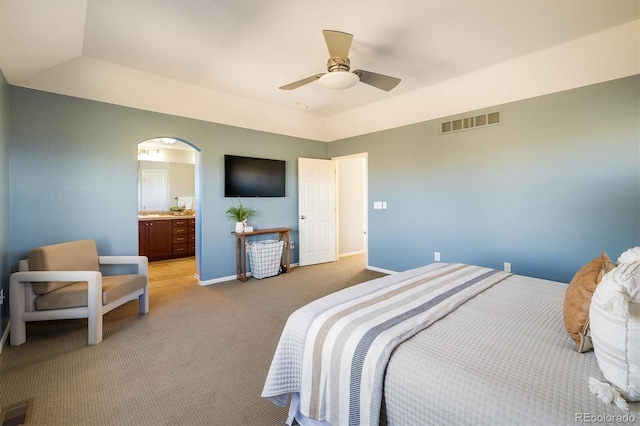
(548, 189)
(555, 183)
(5, 266)
(73, 175)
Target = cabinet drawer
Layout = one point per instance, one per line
(191, 238)
(180, 239)
(179, 249)
(180, 222)
(179, 230)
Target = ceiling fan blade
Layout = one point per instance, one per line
(380, 81)
(338, 43)
(302, 82)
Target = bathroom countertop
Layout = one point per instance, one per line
(164, 217)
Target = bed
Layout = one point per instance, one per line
(494, 352)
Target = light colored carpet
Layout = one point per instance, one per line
(199, 357)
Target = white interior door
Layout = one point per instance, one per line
(154, 190)
(316, 211)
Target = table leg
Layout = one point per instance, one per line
(288, 243)
(285, 260)
(241, 258)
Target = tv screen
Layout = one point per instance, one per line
(253, 177)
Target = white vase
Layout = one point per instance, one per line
(239, 226)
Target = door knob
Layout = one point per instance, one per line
(302, 217)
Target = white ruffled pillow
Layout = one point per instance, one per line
(615, 332)
(630, 256)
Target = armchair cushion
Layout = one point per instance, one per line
(75, 294)
(71, 256)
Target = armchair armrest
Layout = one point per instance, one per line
(20, 305)
(17, 291)
(141, 261)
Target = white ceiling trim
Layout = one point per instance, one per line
(102, 81)
(604, 56)
(607, 55)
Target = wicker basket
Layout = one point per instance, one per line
(265, 257)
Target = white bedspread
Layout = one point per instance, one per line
(334, 351)
(502, 358)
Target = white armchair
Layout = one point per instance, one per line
(63, 281)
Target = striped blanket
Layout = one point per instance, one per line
(334, 351)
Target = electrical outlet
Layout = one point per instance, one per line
(292, 245)
(2, 297)
(507, 267)
(436, 256)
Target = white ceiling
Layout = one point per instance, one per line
(223, 61)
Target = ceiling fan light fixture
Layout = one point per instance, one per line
(338, 80)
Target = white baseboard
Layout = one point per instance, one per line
(230, 278)
(353, 253)
(384, 271)
(219, 280)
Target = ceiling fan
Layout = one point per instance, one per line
(338, 75)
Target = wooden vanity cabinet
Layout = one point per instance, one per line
(166, 238)
(180, 232)
(191, 238)
(155, 239)
(143, 238)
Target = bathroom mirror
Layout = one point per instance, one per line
(166, 175)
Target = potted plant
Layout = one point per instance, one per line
(240, 214)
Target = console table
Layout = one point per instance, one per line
(241, 249)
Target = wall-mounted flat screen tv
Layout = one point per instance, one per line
(253, 177)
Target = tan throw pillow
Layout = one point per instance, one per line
(577, 299)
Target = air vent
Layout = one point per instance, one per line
(17, 414)
(467, 123)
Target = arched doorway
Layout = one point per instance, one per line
(170, 181)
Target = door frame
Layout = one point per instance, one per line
(198, 182)
(365, 193)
